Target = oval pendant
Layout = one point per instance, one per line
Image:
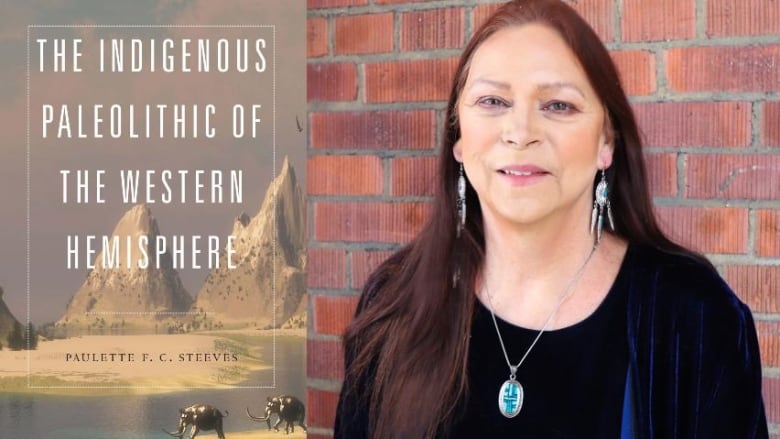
(601, 193)
(510, 398)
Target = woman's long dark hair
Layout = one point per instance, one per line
(409, 341)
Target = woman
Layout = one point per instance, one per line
(541, 299)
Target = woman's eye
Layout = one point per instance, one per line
(559, 107)
(492, 102)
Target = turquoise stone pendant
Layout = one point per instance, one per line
(510, 398)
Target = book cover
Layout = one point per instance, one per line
(152, 279)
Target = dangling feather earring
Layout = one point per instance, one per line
(597, 215)
(461, 202)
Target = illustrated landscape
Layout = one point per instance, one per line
(140, 332)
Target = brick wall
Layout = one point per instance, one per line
(704, 78)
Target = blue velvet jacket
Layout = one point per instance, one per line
(694, 367)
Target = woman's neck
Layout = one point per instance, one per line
(549, 245)
(530, 267)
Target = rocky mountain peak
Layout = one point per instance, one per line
(138, 218)
(125, 287)
(271, 244)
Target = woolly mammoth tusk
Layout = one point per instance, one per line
(173, 434)
(256, 418)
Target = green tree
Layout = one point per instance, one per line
(16, 337)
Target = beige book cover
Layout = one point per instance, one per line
(152, 256)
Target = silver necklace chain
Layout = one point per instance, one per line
(567, 292)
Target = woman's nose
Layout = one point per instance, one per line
(519, 128)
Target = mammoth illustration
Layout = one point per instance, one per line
(287, 408)
(201, 417)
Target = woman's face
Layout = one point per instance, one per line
(533, 132)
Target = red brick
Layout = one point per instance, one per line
(413, 176)
(598, 13)
(316, 37)
(706, 229)
(325, 268)
(316, 4)
(734, 69)
(371, 33)
(434, 29)
(768, 233)
(769, 341)
(771, 392)
(385, 130)
(331, 82)
(321, 407)
(368, 222)
(771, 124)
(743, 17)
(637, 71)
(409, 80)
(324, 359)
(332, 314)
(655, 20)
(733, 176)
(364, 263)
(756, 285)
(662, 174)
(387, 2)
(480, 13)
(682, 124)
(344, 175)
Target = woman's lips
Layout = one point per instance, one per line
(523, 175)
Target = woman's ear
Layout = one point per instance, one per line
(606, 151)
(457, 151)
(606, 146)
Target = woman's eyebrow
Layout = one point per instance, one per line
(559, 85)
(491, 82)
(541, 87)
